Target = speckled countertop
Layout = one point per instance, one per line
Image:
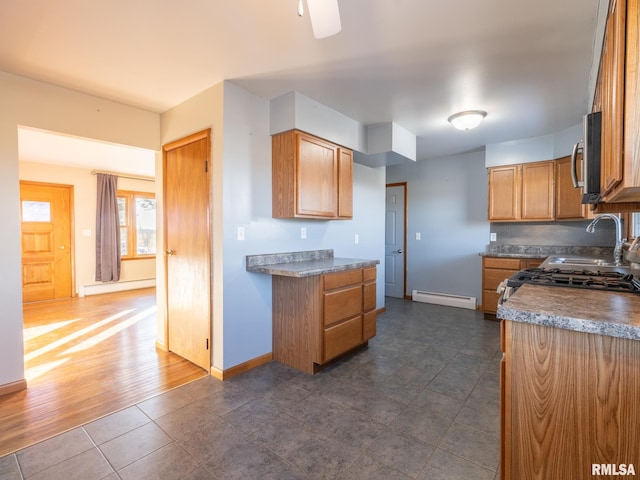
(542, 251)
(303, 264)
(591, 311)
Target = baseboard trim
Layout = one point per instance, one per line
(381, 310)
(241, 368)
(161, 346)
(13, 387)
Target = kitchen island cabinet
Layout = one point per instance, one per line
(323, 307)
(569, 382)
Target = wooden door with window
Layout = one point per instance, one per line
(45, 219)
(187, 247)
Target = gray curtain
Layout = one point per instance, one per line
(107, 230)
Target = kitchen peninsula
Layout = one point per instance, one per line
(323, 306)
(570, 382)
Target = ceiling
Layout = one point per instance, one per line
(412, 62)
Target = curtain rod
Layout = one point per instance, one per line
(146, 179)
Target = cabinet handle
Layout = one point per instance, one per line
(574, 166)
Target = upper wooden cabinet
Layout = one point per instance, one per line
(312, 178)
(569, 198)
(504, 193)
(618, 99)
(523, 192)
(538, 191)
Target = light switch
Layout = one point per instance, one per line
(356, 239)
(418, 236)
(240, 233)
(493, 236)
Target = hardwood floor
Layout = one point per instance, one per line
(85, 358)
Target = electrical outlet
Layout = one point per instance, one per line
(418, 236)
(303, 232)
(493, 236)
(240, 233)
(356, 239)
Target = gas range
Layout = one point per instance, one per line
(576, 278)
(573, 278)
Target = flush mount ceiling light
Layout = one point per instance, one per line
(467, 120)
(324, 15)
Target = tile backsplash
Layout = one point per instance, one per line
(554, 233)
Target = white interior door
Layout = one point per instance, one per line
(395, 241)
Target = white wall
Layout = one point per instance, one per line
(447, 204)
(34, 104)
(84, 219)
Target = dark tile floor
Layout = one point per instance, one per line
(420, 403)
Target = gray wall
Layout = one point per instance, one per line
(555, 234)
(447, 204)
(247, 203)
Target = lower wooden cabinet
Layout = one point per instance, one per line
(568, 401)
(494, 271)
(319, 318)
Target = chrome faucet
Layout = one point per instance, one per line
(617, 251)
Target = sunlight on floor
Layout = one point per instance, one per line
(33, 332)
(32, 373)
(90, 342)
(61, 341)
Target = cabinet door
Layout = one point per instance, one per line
(612, 97)
(568, 198)
(537, 191)
(504, 193)
(316, 177)
(345, 183)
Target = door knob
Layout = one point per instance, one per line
(399, 250)
(169, 253)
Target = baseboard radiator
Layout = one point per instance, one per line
(99, 288)
(444, 299)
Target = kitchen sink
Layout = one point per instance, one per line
(578, 262)
(600, 262)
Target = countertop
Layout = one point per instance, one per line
(592, 311)
(303, 264)
(542, 251)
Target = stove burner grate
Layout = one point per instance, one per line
(599, 280)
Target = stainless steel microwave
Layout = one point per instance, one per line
(590, 147)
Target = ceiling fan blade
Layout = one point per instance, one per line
(325, 17)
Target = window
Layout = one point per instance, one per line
(137, 212)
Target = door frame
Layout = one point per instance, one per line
(72, 237)
(204, 134)
(404, 240)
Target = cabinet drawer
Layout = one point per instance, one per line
(531, 262)
(369, 290)
(342, 279)
(342, 337)
(369, 274)
(490, 301)
(342, 304)
(492, 278)
(369, 325)
(494, 262)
